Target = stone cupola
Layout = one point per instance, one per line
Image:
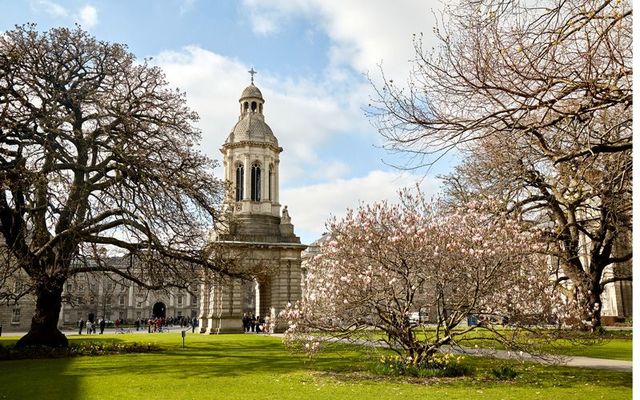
(251, 157)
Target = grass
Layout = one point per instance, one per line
(252, 366)
(613, 345)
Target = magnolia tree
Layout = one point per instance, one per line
(385, 262)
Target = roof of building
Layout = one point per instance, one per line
(251, 91)
(251, 127)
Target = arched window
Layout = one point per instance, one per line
(239, 182)
(254, 105)
(255, 182)
(246, 106)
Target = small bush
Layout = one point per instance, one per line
(504, 372)
(439, 365)
(81, 349)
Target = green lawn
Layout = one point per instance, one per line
(258, 367)
(614, 345)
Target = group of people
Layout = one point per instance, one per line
(254, 323)
(153, 324)
(91, 326)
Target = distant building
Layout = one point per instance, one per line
(99, 295)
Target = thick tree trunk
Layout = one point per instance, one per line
(44, 324)
(591, 307)
(595, 308)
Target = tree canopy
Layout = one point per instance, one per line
(98, 158)
(537, 99)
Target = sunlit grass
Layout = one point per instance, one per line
(613, 345)
(253, 366)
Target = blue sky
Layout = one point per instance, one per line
(312, 58)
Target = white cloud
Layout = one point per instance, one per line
(263, 24)
(311, 206)
(363, 32)
(186, 6)
(49, 7)
(332, 170)
(88, 16)
(302, 114)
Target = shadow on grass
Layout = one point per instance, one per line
(37, 378)
(216, 358)
(238, 360)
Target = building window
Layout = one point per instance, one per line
(255, 182)
(121, 300)
(15, 316)
(180, 300)
(194, 300)
(194, 313)
(239, 182)
(179, 313)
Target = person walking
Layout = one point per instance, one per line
(103, 324)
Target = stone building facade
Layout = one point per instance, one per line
(258, 233)
(102, 296)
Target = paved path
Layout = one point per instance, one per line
(570, 361)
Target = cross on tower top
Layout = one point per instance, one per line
(252, 72)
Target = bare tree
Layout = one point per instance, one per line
(97, 159)
(538, 98)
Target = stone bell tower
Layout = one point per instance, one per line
(259, 233)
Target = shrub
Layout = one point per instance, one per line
(439, 365)
(504, 372)
(81, 349)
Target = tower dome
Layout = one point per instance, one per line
(251, 160)
(251, 91)
(251, 125)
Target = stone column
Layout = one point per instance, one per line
(212, 314)
(226, 307)
(286, 286)
(247, 178)
(276, 183)
(264, 177)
